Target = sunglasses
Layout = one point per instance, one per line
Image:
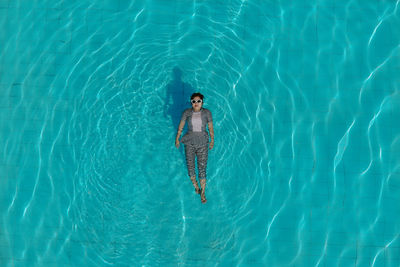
(194, 101)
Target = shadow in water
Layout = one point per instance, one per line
(177, 99)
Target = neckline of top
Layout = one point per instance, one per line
(197, 111)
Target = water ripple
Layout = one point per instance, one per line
(306, 157)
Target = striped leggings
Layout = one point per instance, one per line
(202, 156)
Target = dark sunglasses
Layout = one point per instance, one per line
(194, 101)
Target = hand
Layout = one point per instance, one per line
(177, 143)
(211, 144)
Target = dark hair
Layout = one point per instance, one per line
(197, 94)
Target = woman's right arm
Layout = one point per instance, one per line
(180, 129)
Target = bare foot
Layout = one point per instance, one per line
(203, 198)
(198, 190)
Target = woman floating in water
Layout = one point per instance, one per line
(196, 140)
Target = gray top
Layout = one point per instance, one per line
(197, 121)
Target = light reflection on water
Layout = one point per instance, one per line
(304, 97)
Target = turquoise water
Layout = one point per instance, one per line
(305, 99)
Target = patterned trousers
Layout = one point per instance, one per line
(202, 156)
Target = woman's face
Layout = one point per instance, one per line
(196, 102)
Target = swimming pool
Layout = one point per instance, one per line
(304, 95)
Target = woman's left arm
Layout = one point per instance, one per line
(211, 129)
